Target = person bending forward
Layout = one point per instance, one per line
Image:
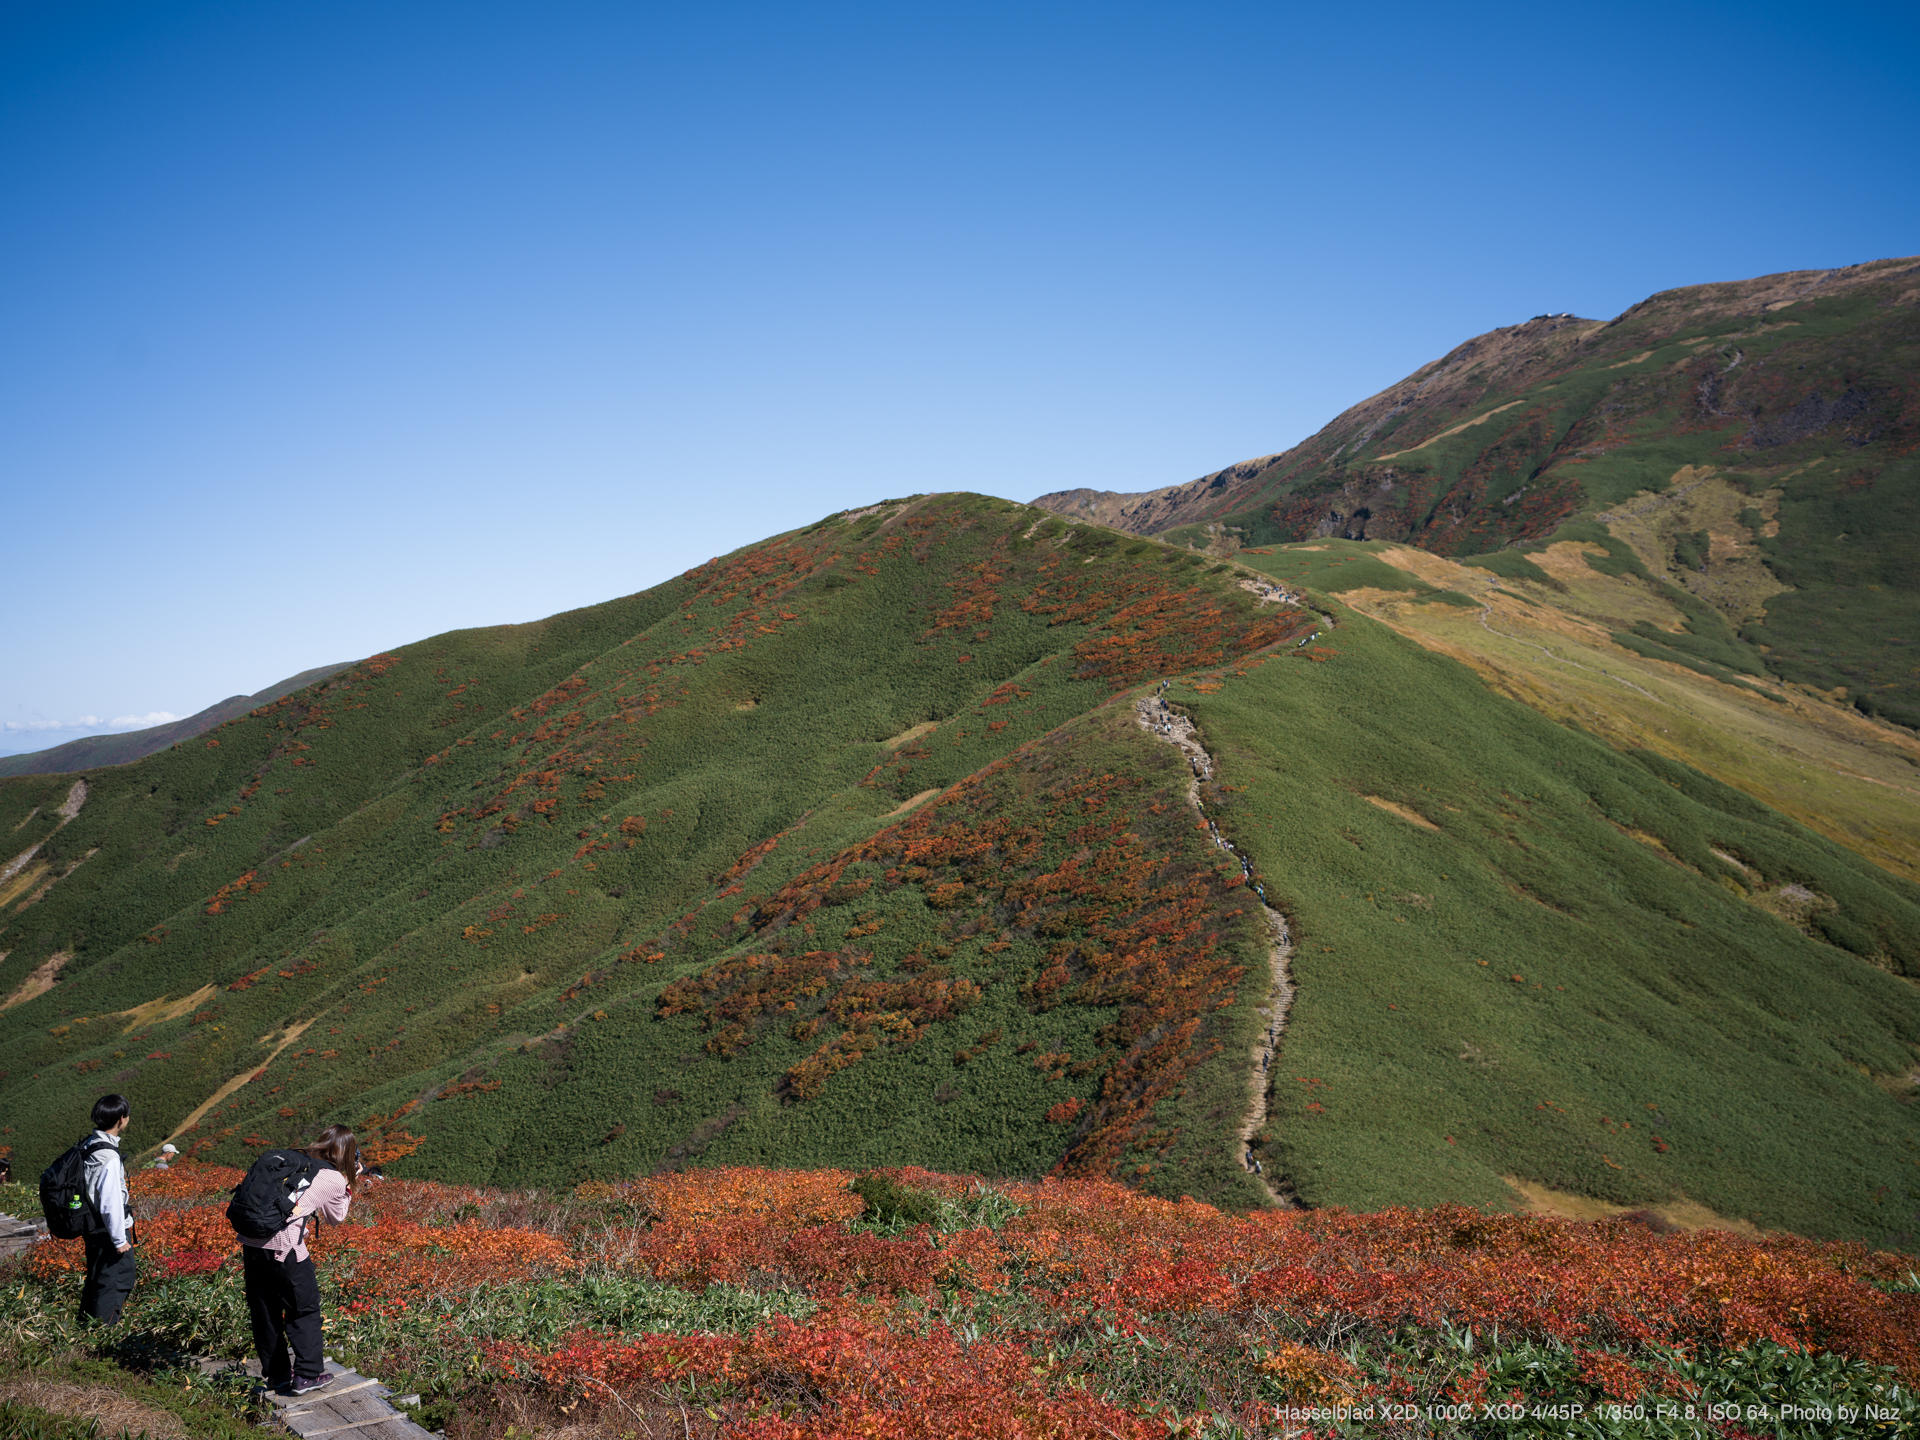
(283, 1294)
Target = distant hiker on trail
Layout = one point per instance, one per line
(111, 1267)
(167, 1155)
(283, 1293)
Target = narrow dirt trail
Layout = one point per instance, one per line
(1178, 731)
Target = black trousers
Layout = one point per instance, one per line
(110, 1277)
(283, 1302)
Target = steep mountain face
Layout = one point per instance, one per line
(1748, 450)
(870, 844)
(93, 750)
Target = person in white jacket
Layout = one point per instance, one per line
(283, 1292)
(111, 1268)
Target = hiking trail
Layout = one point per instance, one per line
(1157, 718)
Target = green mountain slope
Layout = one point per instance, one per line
(850, 848)
(1750, 452)
(462, 849)
(1523, 953)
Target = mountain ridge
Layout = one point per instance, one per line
(1500, 358)
(642, 887)
(1797, 395)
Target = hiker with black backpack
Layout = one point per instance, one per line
(269, 1211)
(84, 1196)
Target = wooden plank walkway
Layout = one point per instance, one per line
(353, 1407)
(17, 1235)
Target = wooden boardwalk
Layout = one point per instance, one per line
(353, 1407)
(17, 1235)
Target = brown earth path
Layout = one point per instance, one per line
(1178, 731)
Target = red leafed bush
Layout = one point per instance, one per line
(386, 1263)
(869, 1377)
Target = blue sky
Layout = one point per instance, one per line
(325, 328)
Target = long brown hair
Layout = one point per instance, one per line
(338, 1148)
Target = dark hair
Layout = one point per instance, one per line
(109, 1111)
(338, 1148)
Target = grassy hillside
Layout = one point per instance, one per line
(846, 849)
(1523, 953)
(1549, 629)
(451, 887)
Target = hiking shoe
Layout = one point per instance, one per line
(306, 1385)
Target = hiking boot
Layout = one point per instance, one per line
(306, 1385)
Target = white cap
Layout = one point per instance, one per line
(168, 1150)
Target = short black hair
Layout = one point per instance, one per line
(109, 1111)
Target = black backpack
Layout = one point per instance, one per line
(263, 1202)
(63, 1196)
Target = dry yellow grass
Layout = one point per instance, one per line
(1833, 769)
(39, 982)
(1404, 812)
(1686, 1214)
(158, 1012)
(906, 805)
(285, 1038)
(1737, 581)
(23, 880)
(116, 1412)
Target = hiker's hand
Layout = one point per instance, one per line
(125, 1246)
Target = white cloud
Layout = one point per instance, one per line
(94, 722)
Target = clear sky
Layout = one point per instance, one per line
(328, 327)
